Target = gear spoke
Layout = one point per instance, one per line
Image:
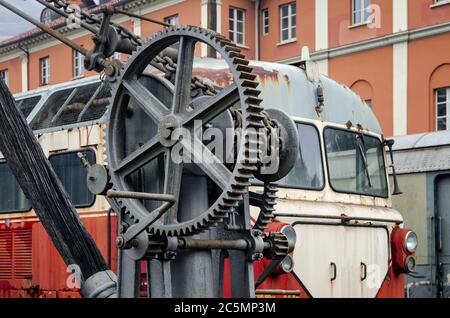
(183, 78)
(208, 162)
(214, 106)
(140, 157)
(172, 185)
(149, 103)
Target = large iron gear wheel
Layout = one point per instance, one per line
(233, 181)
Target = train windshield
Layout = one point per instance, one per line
(308, 170)
(355, 163)
(12, 198)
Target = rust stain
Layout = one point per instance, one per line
(288, 81)
(224, 77)
(221, 77)
(265, 75)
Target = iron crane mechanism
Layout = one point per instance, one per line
(146, 113)
(184, 218)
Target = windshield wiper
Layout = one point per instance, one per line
(362, 151)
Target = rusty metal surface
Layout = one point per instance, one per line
(287, 88)
(283, 86)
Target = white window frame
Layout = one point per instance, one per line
(292, 36)
(46, 16)
(172, 20)
(265, 21)
(361, 13)
(78, 64)
(44, 64)
(447, 107)
(233, 20)
(4, 75)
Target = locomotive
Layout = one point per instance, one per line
(199, 177)
(348, 240)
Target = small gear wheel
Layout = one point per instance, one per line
(169, 106)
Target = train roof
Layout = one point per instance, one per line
(289, 88)
(425, 152)
(424, 140)
(282, 86)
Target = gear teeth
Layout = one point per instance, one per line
(244, 68)
(254, 101)
(231, 48)
(252, 92)
(251, 84)
(241, 61)
(237, 55)
(266, 215)
(247, 76)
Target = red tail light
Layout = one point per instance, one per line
(404, 245)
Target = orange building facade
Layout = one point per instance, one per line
(394, 53)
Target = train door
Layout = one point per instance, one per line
(442, 218)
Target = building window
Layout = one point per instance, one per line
(265, 21)
(288, 22)
(46, 16)
(4, 76)
(237, 25)
(78, 64)
(45, 70)
(360, 11)
(73, 176)
(443, 108)
(172, 20)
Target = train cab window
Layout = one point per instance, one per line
(12, 198)
(26, 105)
(73, 105)
(355, 163)
(73, 175)
(308, 171)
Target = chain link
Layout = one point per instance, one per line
(197, 85)
(93, 19)
(168, 64)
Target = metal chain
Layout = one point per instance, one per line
(197, 85)
(93, 19)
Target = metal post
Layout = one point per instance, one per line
(192, 271)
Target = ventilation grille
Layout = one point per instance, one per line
(15, 254)
(73, 105)
(27, 105)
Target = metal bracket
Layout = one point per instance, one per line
(125, 240)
